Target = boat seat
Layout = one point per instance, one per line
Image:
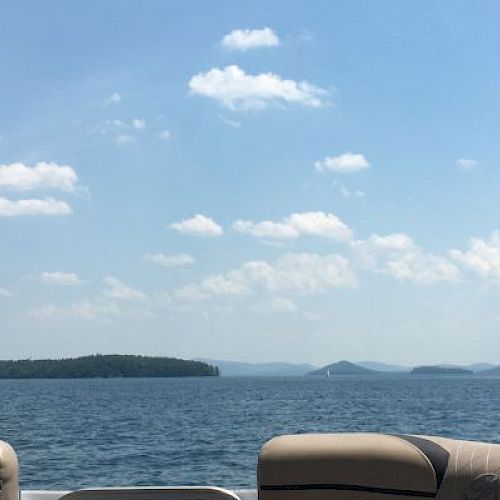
(9, 473)
(364, 466)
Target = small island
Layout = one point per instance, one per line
(105, 366)
(342, 368)
(440, 370)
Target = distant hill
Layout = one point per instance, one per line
(479, 367)
(383, 367)
(440, 370)
(343, 368)
(490, 372)
(105, 366)
(242, 369)
(475, 367)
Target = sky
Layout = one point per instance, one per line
(294, 181)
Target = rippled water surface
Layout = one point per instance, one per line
(81, 433)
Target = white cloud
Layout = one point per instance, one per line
(483, 256)
(422, 268)
(114, 98)
(47, 206)
(230, 284)
(139, 123)
(300, 273)
(60, 278)
(230, 123)
(467, 164)
(124, 139)
(400, 257)
(165, 135)
(190, 292)
(348, 193)
(279, 305)
(82, 310)
(177, 260)
(199, 225)
(118, 290)
(44, 175)
(343, 164)
(89, 310)
(250, 39)
(116, 123)
(238, 91)
(5, 293)
(298, 224)
(266, 229)
(393, 241)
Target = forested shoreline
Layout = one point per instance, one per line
(105, 366)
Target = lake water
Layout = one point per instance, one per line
(82, 433)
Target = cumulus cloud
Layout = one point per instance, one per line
(44, 175)
(47, 206)
(119, 291)
(60, 278)
(238, 91)
(466, 164)
(343, 164)
(246, 39)
(199, 225)
(177, 260)
(393, 241)
(483, 256)
(422, 268)
(299, 273)
(5, 293)
(400, 257)
(298, 224)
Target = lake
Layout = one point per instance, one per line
(94, 432)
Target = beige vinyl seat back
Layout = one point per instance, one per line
(9, 473)
(377, 467)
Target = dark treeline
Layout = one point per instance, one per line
(440, 370)
(106, 366)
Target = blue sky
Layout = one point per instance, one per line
(244, 180)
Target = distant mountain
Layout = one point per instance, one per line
(479, 367)
(440, 370)
(242, 369)
(490, 372)
(383, 367)
(343, 368)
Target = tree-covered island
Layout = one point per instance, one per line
(440, 370)
(105, 366)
